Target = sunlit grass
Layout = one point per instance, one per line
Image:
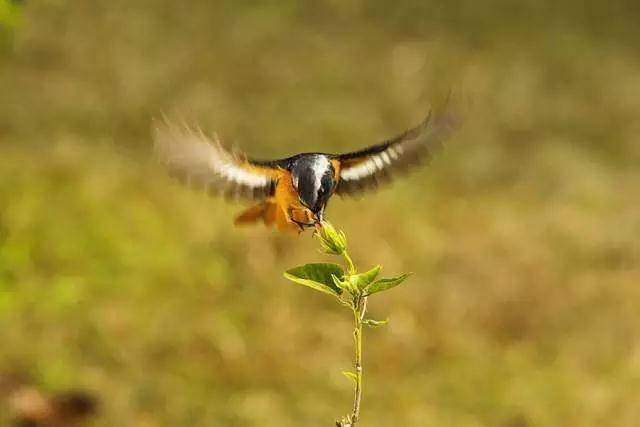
(522, 235)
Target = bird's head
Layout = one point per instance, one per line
(313, 178)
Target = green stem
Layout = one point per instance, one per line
(359, 312)
(359, 307)
(352, 268)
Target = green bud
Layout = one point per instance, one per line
(333, 242)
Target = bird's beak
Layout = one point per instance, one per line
(317, 216)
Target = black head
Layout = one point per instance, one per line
(313, 178)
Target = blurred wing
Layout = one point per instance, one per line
(201, 162)
(366, 169)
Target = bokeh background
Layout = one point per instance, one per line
(523, 236)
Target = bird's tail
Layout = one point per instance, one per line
(265, 211)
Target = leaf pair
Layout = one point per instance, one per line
(330, 279)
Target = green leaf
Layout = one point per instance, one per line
(339, 283)
(384, 284)
(350, 375)
(360, 281)
(317, 276)
(375, 323)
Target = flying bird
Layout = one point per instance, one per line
(292, 193)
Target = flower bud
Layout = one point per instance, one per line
(333, 242)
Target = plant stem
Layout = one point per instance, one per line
(359, 312)
(352, 268)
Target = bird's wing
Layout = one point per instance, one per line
(365, 169)
(198, 160)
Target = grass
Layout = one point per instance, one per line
(522, 235)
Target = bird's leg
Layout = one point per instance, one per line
(294, 215)
(299, 224)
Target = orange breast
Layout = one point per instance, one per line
(288, 203)
(286, 196)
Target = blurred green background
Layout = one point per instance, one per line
(523, 235)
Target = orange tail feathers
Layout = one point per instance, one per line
(265, 211)
(269, 212)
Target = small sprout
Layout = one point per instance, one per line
(351, 289)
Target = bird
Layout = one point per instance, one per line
(292, 193)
